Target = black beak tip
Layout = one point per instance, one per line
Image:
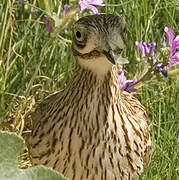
(110, 55)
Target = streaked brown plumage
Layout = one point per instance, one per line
(91, 129)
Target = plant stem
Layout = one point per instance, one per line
(66, 19)
(47, 7)
(143, 78)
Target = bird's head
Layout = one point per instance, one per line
(98, 41)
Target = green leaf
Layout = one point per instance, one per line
(121, 61)
(10, 148)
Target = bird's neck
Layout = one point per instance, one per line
(87, 79)
(99, 66)
(91, 97)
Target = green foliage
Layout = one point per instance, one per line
(33, 65)
(11, 146)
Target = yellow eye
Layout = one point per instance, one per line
(79, 36)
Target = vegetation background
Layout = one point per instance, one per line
(33, 65)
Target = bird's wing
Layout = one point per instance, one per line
(42, 109)
(139, 113)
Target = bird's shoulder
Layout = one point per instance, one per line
(138, 111)
(44, 106)
(131, 101)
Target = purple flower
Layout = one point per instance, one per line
(151, 47)
(90, 4)
(142, 48)
(160, 68)
(35, 10)
(48, 24)
(146, 48)
(126, 85)
(174, 45)
(164, 41)
(65, 9)
(175, 58)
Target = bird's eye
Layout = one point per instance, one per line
(79, 36)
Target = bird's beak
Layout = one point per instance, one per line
(110, 55)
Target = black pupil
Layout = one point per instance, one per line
(78, 34)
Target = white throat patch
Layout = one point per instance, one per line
(100, 66)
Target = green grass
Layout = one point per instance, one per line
(32, 65)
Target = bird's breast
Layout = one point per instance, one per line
(92, 133)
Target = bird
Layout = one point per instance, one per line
(91, 129)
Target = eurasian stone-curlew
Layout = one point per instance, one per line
(92, 130)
